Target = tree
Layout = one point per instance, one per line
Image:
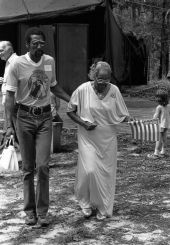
(147, 20)
(164, 44)
(167, 18)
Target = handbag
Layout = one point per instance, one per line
(8, 160)
(145, 130)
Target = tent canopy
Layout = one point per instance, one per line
(12, 10)
(21, 10)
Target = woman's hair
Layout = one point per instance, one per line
(94, 69)
(162, 97)
(33, 31)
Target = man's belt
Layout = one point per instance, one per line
(34, 110)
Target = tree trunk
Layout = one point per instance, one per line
(168, 25)
(164, 38)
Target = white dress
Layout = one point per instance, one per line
(97, 159)
(163, 113)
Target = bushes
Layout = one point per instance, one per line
(147, 91)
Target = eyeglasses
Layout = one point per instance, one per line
(102, 80)
(38, 43)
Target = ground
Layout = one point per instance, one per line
(142, 202)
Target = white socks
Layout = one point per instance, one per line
(161, 152)
(156, 152)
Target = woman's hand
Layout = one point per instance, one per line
(128, 119)
(131, 119)
(89, 125)
(86, 124)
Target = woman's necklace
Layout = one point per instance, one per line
(102, 94)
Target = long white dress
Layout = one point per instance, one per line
(97, 158)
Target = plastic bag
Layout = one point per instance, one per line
(8, 160)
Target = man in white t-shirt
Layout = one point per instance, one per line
(32, 77)
(9, 56)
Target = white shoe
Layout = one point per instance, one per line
(100, 216)
(87, 212)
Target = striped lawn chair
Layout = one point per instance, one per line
(145, 130)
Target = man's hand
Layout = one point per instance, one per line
(9, 132)
(89, 125)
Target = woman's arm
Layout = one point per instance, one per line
(87, 125)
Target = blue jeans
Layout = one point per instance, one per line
(34, 134)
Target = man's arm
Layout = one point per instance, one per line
(157, 113)
(59, 92)
(9, 108)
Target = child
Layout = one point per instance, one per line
(162, 112)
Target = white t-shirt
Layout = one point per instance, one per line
(11, 59)
(163, 113)
(32, 81)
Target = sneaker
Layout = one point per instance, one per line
(100, 216)
(153, 156)
(43, 221)
(30, 220)
(87, 212)
(163, 155)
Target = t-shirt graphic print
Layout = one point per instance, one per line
(38, 84)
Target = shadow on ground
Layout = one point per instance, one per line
(141, 210)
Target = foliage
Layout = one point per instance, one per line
(146, 91)
(146, 19)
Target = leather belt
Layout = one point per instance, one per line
(34, 110)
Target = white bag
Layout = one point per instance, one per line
(9, 159)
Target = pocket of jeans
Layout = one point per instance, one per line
(22, 113)
(47, 115)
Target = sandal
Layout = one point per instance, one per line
(153, 156)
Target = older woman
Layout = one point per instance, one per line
(97, 106)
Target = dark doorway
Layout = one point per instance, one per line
(8, 33)
(72, 56)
